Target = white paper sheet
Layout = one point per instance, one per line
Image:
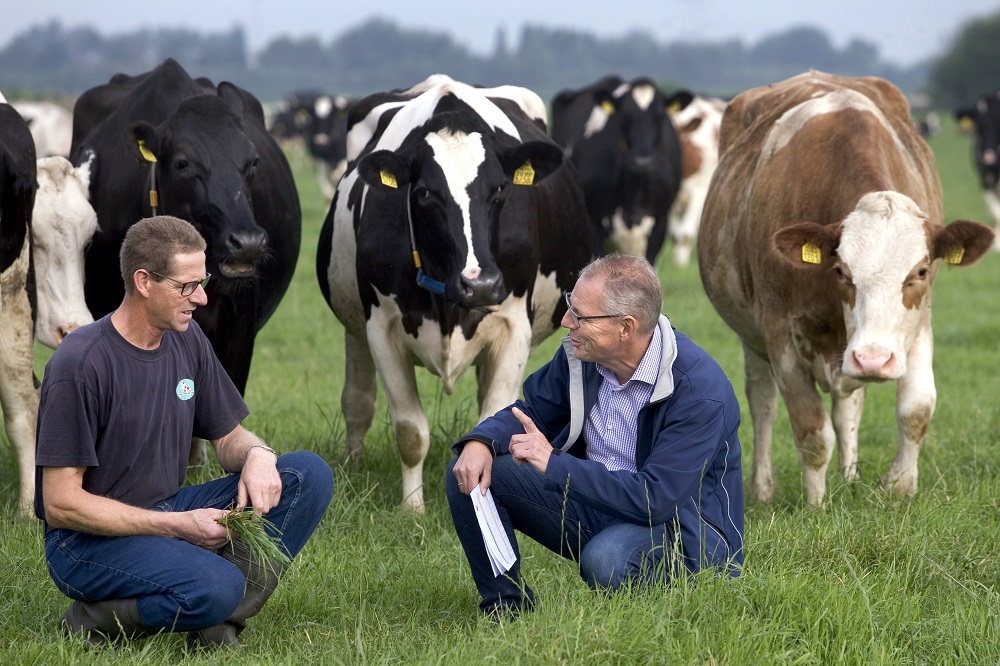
(498, 546)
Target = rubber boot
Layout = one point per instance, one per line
(262, 578)
(99, 622)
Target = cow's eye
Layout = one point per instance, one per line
(180, 164)
(422, 195)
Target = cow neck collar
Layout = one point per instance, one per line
(154, 193)
(423, 280)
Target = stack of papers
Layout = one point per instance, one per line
(498, 546)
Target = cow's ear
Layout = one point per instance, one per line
(679, 101)
(384, 169)
(807, 244)
(231, 95)
(606, 100)
(529, 163)
(962, 242)
(142, 140)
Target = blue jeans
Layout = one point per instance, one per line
(610, 551)
(180, 586)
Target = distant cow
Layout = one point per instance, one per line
(51, 127)
(18, 393)
(451, 241)
(210, 160)
(698, 124)
(820, 241)
(620, 138)
(984, 120)
(321, 121)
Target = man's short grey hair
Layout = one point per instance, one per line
(631, 286)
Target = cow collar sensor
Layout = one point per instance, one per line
(423, 280)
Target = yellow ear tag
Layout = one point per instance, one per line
(955, 255)
(674, 108)
(388, 179)
(147, 154)
(965, 124)
(607, 107)
(524, 175)
(811, 254)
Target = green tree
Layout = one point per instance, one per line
(969, 68)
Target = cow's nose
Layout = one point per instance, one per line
(246, 246)
(873, 362)
(482, 288)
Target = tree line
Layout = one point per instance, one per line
(56, 59)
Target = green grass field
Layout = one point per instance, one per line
(870, 579)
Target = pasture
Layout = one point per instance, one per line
(870, 579)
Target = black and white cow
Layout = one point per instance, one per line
(18, 393)
(451, 240)
(212, 162)
(620, 138)
(321, 122)
(51, 126)
(984, 119)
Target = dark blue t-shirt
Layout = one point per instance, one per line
(128, 414)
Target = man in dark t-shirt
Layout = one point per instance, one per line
(121, 399)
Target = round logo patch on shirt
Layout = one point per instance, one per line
(185, 389)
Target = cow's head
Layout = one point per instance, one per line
(641, 112)
(205, 165)
(456, 181)
(984, 120)
(63, 224)
(884, 255)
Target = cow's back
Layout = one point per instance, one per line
(803, 150)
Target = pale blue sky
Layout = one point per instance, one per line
(905, 31)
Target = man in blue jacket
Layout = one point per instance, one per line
(630, 438)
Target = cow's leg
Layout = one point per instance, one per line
(357, 400)
(499, 377)
(916, 398)
(846, 419)
(18, 395)
(993, 204)
(811, 425)
(762, 394)
(324, 178)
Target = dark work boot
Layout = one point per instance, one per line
(262, 578)
(99, 622)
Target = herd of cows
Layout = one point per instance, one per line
(459, 216)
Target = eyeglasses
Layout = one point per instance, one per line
(578, 318)
(187, 288)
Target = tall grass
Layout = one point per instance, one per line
(870, 579)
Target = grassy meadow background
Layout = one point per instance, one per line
(870, 579)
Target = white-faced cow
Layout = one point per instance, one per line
(51, 126)
(450, 242)
(698, 124)
(207, 155)
(984, 119)
(620, 138)
(18, 393)
(321, 121)
(820, 241)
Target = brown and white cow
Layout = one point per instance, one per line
(698, 124)
(820, 241)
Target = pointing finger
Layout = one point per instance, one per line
(529, 425)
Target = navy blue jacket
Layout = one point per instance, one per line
(687, 448)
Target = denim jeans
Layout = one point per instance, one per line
(180, 586)
(610, 551)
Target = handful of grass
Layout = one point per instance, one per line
(260, 535)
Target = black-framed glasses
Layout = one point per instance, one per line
(187, 288)
(578, 318)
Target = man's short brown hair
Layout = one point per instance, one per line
(152, 242)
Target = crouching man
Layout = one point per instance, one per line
(121, 399)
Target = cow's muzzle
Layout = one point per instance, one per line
(482, 289)
(244, 250)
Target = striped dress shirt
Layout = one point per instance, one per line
(610, 428)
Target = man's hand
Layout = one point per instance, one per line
(532, 446)
(260, 484)
(201, 527)
(473, 467)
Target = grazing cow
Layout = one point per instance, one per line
(451, 241)
(628, 155)
(983, 120)
(18, 392)
(51, 127)
(62, 227)
(207, 155)
(698, 124)
(820, 241)
(321, 121)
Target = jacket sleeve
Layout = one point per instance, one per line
(546, 401)
(686, 440)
